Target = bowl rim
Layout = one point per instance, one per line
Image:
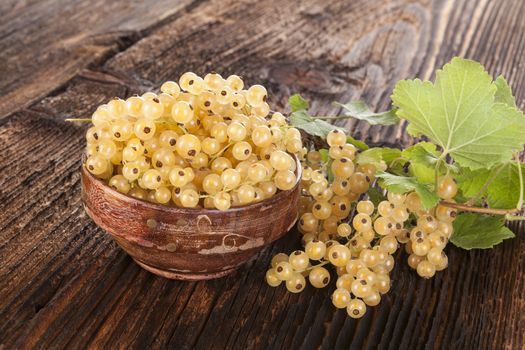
(162, 207)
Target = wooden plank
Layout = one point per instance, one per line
(66, 285)
(43, 44)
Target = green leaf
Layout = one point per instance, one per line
(424, 153)
(390, 154)
(474, 231)
(324, 155)
(504, 191)
(359, 144)
(423, 157)
(316, 127)
(402, 184)
(377, 154)
(459, 112)
(359, 110)
(504, 92)
(298, 103)
(375, 196)
(470, 182)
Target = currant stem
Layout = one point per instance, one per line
(520, 200)
(314, 266)
(78, 120)
(333, 117)
(470, 208)
(221, 152)
(509, 217)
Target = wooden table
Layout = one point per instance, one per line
(65, 284)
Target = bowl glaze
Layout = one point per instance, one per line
(189, 243)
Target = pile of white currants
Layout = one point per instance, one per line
(199, 143)
(359, 239)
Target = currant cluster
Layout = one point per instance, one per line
(359, 239)
(433, 229)
(204, 142)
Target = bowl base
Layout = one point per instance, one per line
(184, 276)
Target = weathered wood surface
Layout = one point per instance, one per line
(66, 284)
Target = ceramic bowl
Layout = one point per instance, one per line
(189, 243)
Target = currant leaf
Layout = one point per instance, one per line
(460, 113)
(502, 184)
(504, 92)
(316, 127)
(474, 231)
(377, 154)
(402, 184)
(504, 191)
(471, 182)
(359, 144)
(360, 110)
(298, 103)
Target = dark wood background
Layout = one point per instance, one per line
(65, 284)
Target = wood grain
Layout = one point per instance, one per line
(65, 284)
(46, 43)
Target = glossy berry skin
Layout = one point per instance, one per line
(447, 188)
(296, 283)
(356, 308)
(341, 298)
(315, 249)
(319, 277)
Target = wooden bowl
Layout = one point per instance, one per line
(189, 243)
